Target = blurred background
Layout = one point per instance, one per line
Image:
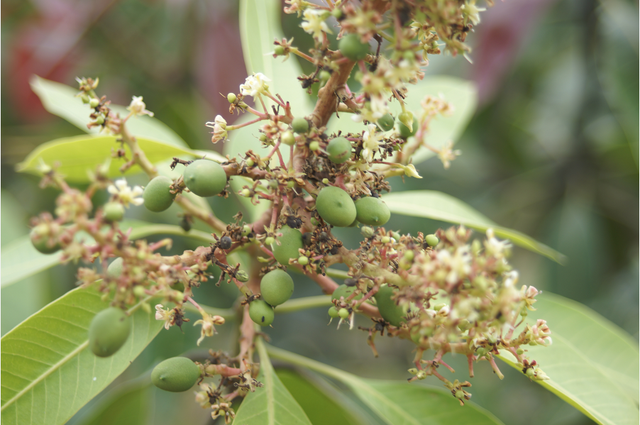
(552, 151)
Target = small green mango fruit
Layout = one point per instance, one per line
(261, 312)
(108, 331)
(351, 47)
(205, 178)
(339, 150)
(176, 374)
(39, 238)
(157, 195)
(389, 311)
(335, 206)
(290, 243)
(372, 211)
(276, 287)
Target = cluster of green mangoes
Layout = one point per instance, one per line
(203, 177)
(276, 287)
(336, 207)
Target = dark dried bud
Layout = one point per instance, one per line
(225, 242)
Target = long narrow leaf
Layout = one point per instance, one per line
(443, 207)
(399, 403)
(272, 403)
(48, 373)
(78, 155)
(592, 364)
(61, 100)
(259, 28)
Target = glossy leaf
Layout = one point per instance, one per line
(20, 259)
(440, 206)
(127, 404)
(259, 28)
(48, 373)
(592, 364)
(460, 93)
(61, 100)
(240, 141)
(399, 403)
(319, 405)
(271, 404)
(79, 155)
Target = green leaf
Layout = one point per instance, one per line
(440, 206)
(259, 28)
(21, 260)
(47, 372)
(404, 403)
(399, 403)
(592, 364)
(320, 406)
(460, 93)
(81, 154)
(61, 100)
(127, 404)
(271, 404)
(240, 141)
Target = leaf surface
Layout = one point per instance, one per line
(78, 155)
(399, 403)
(592, 364)
(259, 27)
(320, 406)
(60, 99)
(440, 206)
(271, 404)
(48, 373)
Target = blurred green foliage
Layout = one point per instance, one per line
(552, 152)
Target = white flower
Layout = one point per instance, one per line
(166, 315)
(446, 154)
(125, 194)
(495, 247)
(314, 23)
(370, 142)
(138, 107)
(511, 279)
(207, 323)
(410, 171)
(219, 126)
(255, 85)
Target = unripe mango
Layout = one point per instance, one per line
(205, 178)
(372, 211)
(335, 206)
(176, 374)
(108, 331)
(276, 287)
(290, 243)
(157, 194)
(261, 312)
